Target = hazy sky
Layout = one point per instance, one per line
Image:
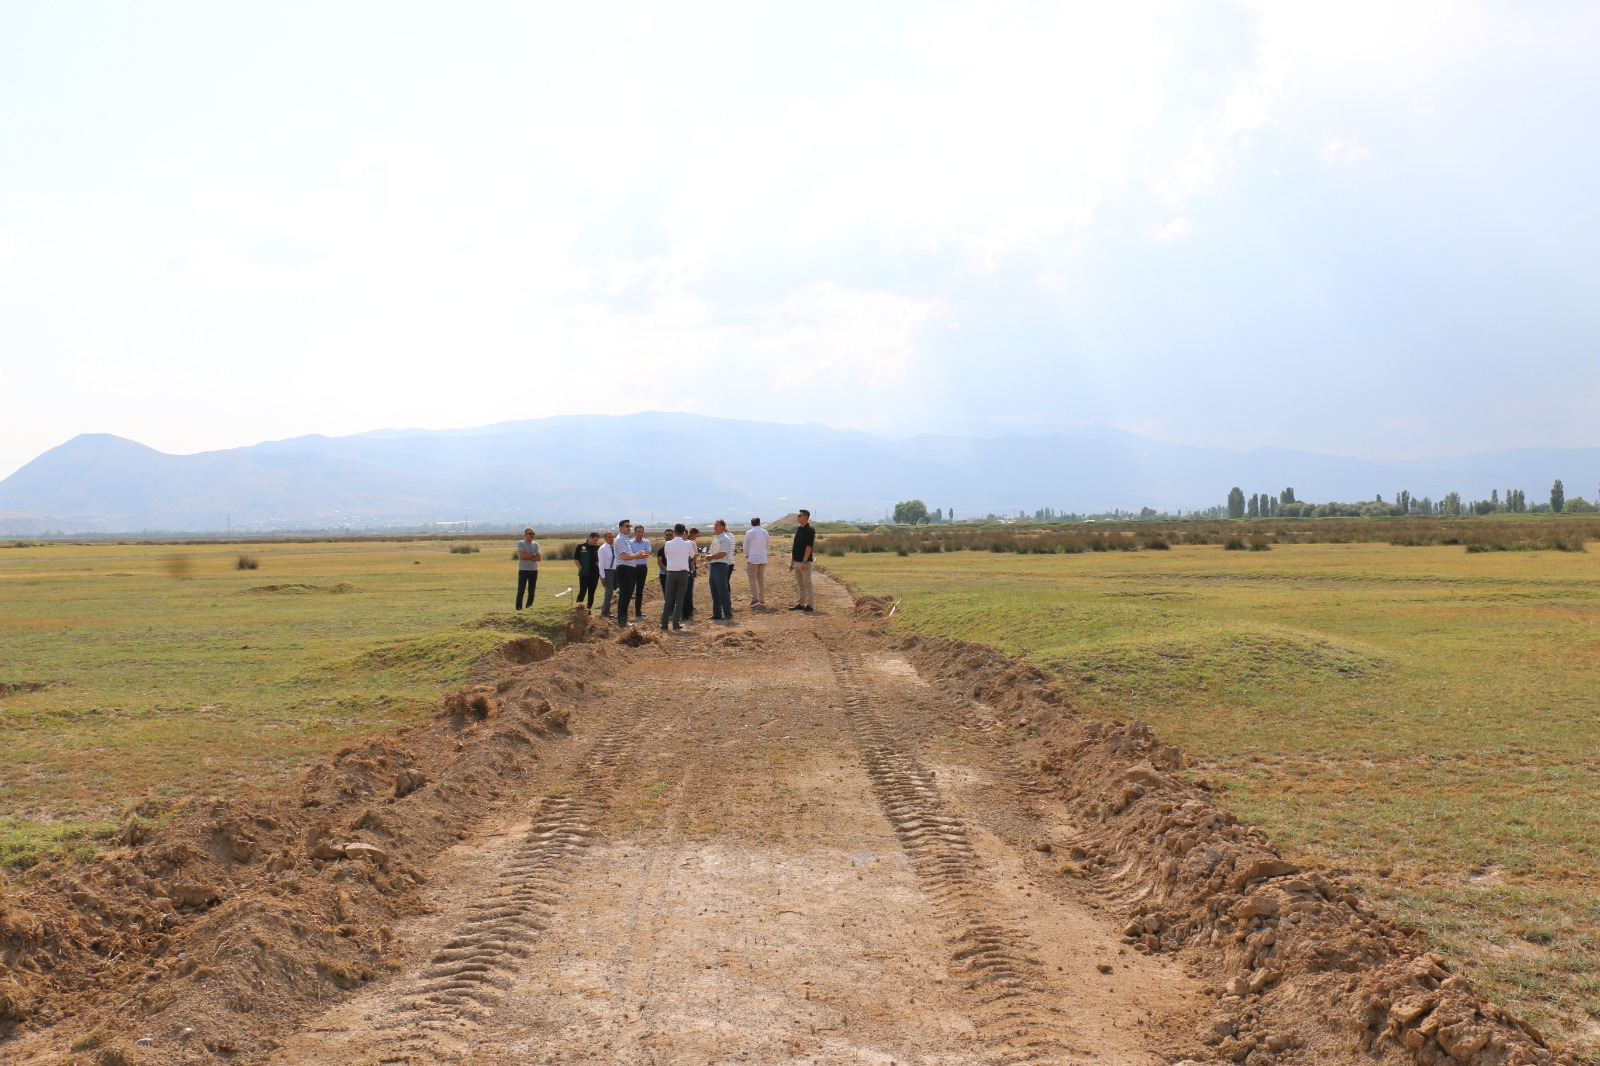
(1365, 228)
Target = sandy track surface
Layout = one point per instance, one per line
(769, 842)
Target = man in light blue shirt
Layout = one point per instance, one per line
(626, 571)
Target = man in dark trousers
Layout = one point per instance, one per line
(587, 556)
(805, 541)
(528, 556)
(626, 571)
(677, 553)
(608, 572)
(721, 559)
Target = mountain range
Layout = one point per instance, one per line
(656, 466)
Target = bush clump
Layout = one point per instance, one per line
(464, 549)
(247, 562)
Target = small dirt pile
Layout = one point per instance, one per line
(1300, 959)
(731, 639)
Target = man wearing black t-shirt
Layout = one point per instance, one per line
(587, 556)
(805, 540)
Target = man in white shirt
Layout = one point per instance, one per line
(678, 551)
(721, 559)
(608, 571)
(755, 562)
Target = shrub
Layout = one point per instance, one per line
(247, 562)
(1155, 544)
(1233, 543)
(1259, 543)
(464, 549)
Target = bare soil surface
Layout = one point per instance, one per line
(787, 839)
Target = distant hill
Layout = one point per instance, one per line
(596, 469)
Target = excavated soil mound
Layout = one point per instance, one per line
(1306, 964)
(872, 607)
(525, 650)
(238, 916)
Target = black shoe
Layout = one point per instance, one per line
(798, 607)
(807, 608)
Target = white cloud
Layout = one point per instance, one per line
(1341, 152)
(835, 337)
(1173, 230)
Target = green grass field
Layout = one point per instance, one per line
(1426, 719)
(170, 671)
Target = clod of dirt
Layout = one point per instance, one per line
(525, 650)
(584, 628)
(289, 587)
(873, 606)
(408, 781)
(466, 705)
(738, 638)
(13, 1005)
(634, 637)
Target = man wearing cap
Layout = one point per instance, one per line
(755, 562)
(528, 556)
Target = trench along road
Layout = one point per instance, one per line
(770, 842)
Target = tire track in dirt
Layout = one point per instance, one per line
(1014, 1018)
(466, 977)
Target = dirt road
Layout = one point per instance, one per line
(786, 840)
(770, 842)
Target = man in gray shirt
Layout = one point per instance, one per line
(721, 560)
(528, 556)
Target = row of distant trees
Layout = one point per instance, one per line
(1515, 501)
(1284, 504)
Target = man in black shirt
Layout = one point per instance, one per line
(805, 540)
(587, 556)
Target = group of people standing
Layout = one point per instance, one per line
(619, 563)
